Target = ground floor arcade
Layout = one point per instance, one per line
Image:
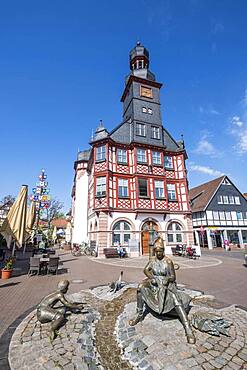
(212, 237)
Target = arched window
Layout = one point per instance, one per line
(121, 233)
(174, 233)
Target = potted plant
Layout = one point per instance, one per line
(8, 267)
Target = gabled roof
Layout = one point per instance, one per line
(60, 223)
(84, 155)
(201, 195)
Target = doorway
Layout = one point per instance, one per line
(218, 240)
(148, 225)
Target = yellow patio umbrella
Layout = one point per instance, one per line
(14, 226)
(30, 219)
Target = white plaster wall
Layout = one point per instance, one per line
(79, 232)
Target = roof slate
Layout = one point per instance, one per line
(202, 194)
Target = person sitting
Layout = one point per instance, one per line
(47, 312)
(42, 244)
(159, 291)
(121, 251)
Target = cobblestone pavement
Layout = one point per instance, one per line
(227, 282)
(79, 346)
(89, 340)
(156, 344)
(74, 347)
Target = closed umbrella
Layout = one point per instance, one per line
(29, 223)
(14, 226)
(54, 234)
(30, 219)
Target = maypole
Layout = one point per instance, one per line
(41, 197)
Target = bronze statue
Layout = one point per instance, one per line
(47, 312)
(210, 323)
(159, 291)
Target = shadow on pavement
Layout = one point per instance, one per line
(9, 284)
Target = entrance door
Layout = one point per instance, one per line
(145, 235)
(218, 240)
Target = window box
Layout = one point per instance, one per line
(122, 163)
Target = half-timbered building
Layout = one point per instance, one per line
(134, 177)
(219, 214)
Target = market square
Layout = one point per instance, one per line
(123, 225)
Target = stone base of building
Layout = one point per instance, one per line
(131, 230)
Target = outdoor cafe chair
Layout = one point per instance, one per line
(34, 265)
(52, 265)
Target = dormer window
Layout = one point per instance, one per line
(100, 153)
(155, 132)
(150, 111)
(140, 129)
(144, 110)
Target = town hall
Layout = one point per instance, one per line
(133, 179)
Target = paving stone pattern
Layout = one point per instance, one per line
(161, 344)
(101, 338)
(73, 349)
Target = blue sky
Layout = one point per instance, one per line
(62, 69)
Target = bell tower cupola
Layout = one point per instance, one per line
(141, 97)
(139, 62)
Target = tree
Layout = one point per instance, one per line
(8, 200)
(54, 211)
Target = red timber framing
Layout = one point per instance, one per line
(132, 171)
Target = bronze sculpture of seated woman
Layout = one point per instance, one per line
(159, 291)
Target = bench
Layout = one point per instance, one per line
(112, 252)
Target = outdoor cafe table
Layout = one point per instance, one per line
(44, 262)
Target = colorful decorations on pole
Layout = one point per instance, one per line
(41, 196)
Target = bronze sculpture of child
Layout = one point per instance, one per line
(47, 312)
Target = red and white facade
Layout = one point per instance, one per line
(123, 187)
